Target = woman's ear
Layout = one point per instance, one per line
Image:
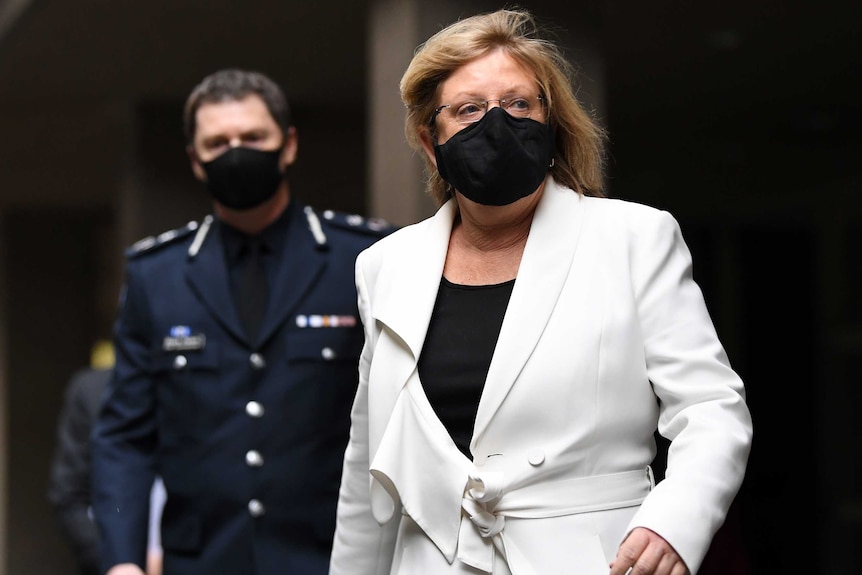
(427, 140)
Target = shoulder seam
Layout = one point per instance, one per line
(152, 243)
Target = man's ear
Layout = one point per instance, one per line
(291, 147)
(197, 169)
(427, 140)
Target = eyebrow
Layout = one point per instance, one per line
(518, 90)
(242, 135)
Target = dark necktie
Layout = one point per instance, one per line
(253, 290)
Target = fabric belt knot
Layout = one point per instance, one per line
(485, 487)
(485, 507)
(478, 551)
(486, 522)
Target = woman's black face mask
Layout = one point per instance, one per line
(498, 160)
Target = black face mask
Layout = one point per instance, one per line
(243, 178)
(498, 160)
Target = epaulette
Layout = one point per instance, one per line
(357, 223)
(151, 243)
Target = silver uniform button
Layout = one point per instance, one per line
(254, 409)
(180, 362)
(256, 360)
(253, 458)
(256, 508)
(327, 353)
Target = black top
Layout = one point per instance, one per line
(457, 353)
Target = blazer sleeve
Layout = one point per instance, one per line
(702, 402)
(124, 437)
(361, 546)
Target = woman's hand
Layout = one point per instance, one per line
(646, 552)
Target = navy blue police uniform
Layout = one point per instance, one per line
(248, 436)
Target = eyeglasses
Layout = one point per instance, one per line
(472, 112)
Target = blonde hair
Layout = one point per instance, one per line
(579, 145)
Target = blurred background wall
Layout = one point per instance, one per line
(742, 118)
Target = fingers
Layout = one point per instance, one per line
(644, 552)
(650, 560)
(629, 552)
(667, 563)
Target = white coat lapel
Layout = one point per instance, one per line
(407, 285)
(404, 292)
(543, 271)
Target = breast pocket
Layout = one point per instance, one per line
(181, 363)
(324, 365)
(189, 392)
(324, 345)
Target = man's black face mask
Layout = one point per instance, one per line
(243, 178)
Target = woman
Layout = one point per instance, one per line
(523, 344)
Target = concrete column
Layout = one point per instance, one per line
(396, 181)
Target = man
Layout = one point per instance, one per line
(237, 344)
(69, 490)
(69, 486)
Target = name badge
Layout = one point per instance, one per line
(181, 338)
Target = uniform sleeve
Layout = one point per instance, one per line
(702, 402)
(362, 546)
(124, 438)
(69, 487)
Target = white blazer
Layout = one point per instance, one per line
(606, 338)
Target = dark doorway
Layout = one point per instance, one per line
(54, 277)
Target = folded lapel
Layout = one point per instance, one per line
(207, 274)
(400, 416)
(543, 271)
(403, 296)
(407, 285)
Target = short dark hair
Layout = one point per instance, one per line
(231, 85)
